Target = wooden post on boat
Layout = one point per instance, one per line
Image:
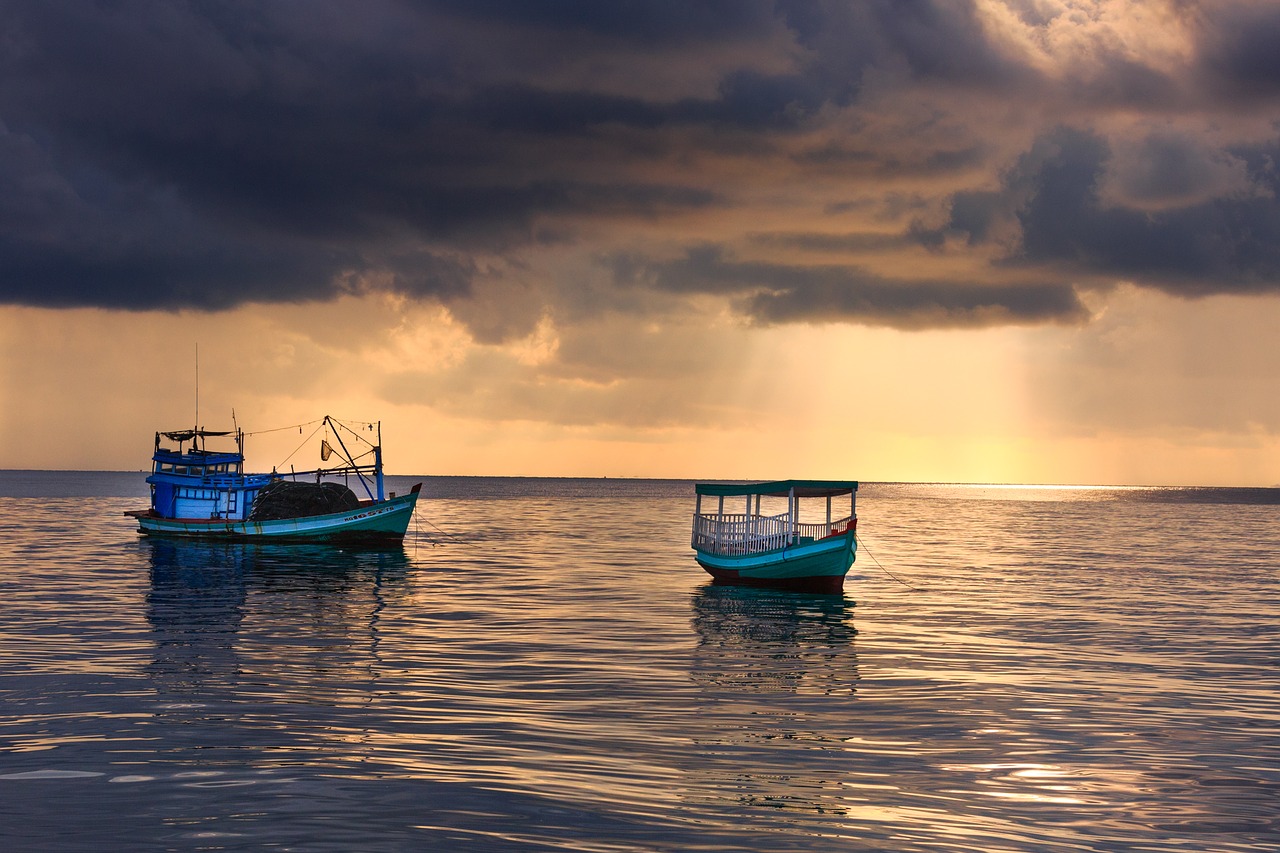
(697, 519)
(793, 513)
(719, 520)
(828, 513)
(377, 462)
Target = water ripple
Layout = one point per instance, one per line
(1077, 670)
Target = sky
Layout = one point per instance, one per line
(892, 240)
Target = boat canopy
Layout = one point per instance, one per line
(781, 488)
(188, 434)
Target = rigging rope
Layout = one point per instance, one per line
(883, 569)
(300, 446)
(369, 425)
(305, 424)
(281, 429)
(337, 423)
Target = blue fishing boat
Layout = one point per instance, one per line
(785, 549)
(199, 492)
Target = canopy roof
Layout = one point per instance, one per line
(188, 434)
(781, 488)
(165, 454)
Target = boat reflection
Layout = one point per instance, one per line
(767, 640)
(778, 676)
(228, 618)
(195, 607)
(200, 563)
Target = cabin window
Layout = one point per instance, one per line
(196, 494)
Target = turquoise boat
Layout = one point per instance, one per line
(789, 549)
(203, 493)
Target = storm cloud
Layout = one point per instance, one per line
(773, 293)
(209, 155)
(1054, 195)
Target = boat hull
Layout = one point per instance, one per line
(818, 566)
(379, 522)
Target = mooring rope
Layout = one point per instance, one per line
(883, 569)
(417, 532)
(442, 532)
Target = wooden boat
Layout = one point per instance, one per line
(784, 549)
(197, 492)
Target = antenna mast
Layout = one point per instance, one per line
(197, 424)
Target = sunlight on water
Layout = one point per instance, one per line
(543, 666)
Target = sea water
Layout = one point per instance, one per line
(542, 666)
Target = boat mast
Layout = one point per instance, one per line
(377, 455)
(377, 464)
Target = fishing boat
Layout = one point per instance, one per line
(202, 492)
(786, 549)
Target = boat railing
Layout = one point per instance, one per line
(235, 481)
(738, 534)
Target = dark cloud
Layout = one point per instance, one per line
(1169, 169)
(1238, 49)
(207, 155)
(746, 101)
(830, 243)
(1226, 244)
(1119, 82)
(942, 41)
(778, 293)
(1054, 195)
(848, 296)
(648, 23)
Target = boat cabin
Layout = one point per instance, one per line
(197, 483)
(736, 525)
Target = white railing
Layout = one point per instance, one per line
(738, 534)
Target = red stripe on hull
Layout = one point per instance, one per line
(832, 584)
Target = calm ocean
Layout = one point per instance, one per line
(1075, 670)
